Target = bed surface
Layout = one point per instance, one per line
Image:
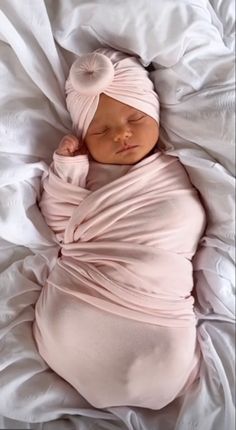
(191, 46)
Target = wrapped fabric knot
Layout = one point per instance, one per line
(91, 74)
(113, 73)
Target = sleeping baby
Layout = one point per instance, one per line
(115, 318)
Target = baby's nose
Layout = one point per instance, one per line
(122, 134)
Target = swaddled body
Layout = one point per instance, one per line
(115, 318)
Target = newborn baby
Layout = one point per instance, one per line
(115, 318)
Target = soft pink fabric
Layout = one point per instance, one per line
(113, 73)
(115, 318)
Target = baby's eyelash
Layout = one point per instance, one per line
(136, 119)
(100, 132)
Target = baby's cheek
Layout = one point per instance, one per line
(88, 144)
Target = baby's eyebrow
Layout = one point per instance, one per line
(96, 124)
(96, 128)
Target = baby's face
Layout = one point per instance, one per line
(120, 134)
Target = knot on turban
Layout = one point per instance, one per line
(113, 73)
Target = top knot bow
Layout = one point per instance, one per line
(91, 74)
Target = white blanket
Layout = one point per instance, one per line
(191, 46)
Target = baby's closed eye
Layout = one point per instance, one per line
(136, 118)
(102, 131)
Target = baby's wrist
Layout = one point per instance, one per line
(63, 154)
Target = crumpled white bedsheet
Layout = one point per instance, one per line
(191, 44)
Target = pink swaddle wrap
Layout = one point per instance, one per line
(115, 318)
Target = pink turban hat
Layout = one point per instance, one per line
(113, 73)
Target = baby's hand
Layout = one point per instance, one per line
(70, 146)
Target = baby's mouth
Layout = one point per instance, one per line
(127, 148)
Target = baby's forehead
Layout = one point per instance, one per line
(109, 111)
(107, 103)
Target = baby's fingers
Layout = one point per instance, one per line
(68, 145)
(70, 141)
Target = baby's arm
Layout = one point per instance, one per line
(70, 166)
